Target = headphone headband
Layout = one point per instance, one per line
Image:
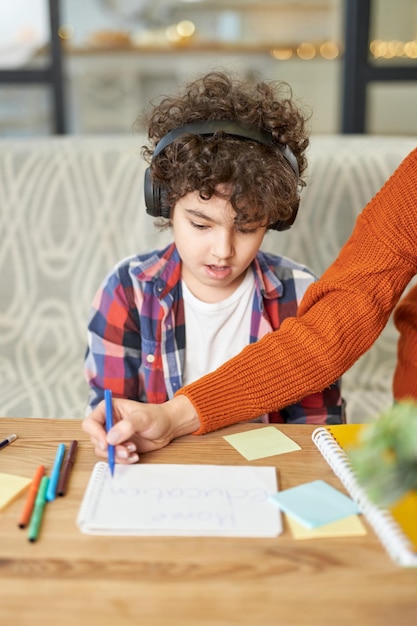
(156, 195)
(229, 127)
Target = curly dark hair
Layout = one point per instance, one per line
(263, 185)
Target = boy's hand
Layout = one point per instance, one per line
(140, 427)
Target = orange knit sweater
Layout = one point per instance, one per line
(339, 319)
(405, 317)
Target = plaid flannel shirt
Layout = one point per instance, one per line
(136, 330)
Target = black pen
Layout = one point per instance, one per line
(8, 440)
(66, 471)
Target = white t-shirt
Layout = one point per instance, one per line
(216, 331)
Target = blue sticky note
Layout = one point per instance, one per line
(314, 504)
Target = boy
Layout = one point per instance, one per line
(226, 160)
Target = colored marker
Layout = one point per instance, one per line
(109, 424)
(31, 497)
(36, 519)
(8, 440)
(66, 471)
(54, 478)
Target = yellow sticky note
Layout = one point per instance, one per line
(347, 527)
(262, 442)
(404, 512)
(11, 486)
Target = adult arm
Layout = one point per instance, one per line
(339, 319)
(405, 376)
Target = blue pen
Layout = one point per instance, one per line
(54, 478)
(109, 424)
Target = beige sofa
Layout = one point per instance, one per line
(71, 207)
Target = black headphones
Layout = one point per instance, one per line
(155, 194)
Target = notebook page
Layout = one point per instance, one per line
(205, 500)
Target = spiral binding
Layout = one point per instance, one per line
(384, 525)
(90, 499)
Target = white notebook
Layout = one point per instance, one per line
(387, 529)
(204, 500)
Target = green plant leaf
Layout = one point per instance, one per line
(386, 459)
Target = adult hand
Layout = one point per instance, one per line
(140, 427)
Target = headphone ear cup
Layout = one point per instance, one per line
(149, 195)
(286, 224)
(155, 197)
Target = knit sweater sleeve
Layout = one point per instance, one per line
(340, 317)
(405, 376)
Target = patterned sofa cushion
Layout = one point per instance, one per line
(70, 207)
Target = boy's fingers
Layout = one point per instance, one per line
(121, 431)
(93, 428)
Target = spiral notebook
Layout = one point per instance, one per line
(392, 526)
(195, 500)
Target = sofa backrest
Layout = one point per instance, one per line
(71, 207)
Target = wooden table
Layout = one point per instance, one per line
(67, 578)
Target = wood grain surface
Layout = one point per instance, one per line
(67, 578)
